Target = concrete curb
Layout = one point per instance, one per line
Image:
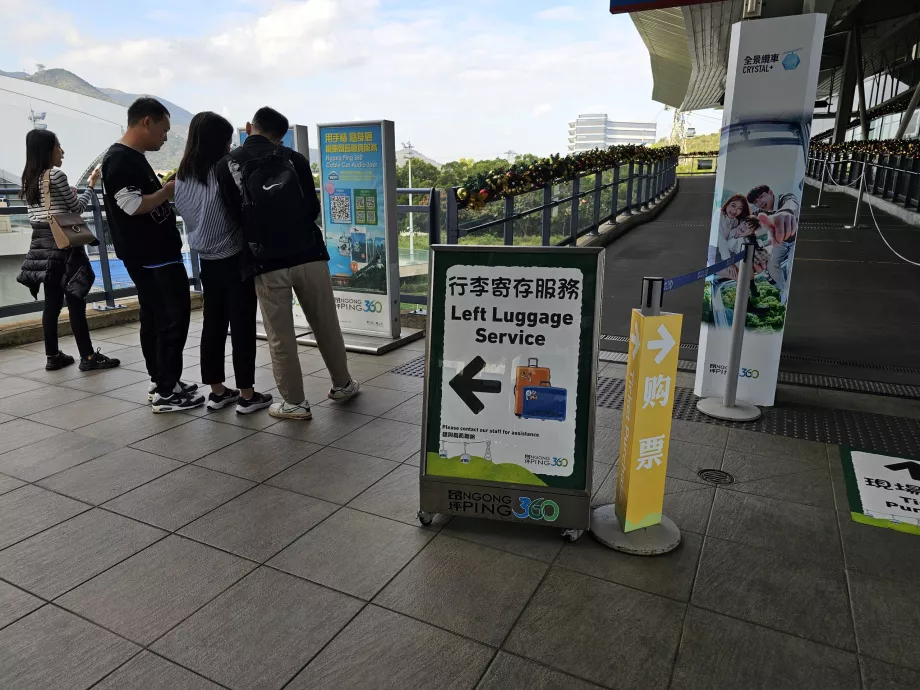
(612, 231)
(891, 209)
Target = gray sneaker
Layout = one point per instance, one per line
(340, 394)
(283, 410)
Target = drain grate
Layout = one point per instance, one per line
(716, 477)
(882, 433)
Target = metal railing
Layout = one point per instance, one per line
(644, 183)
(106, 298)
(892, 178)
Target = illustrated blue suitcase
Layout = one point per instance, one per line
(544, 402)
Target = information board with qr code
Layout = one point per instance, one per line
(359, 214)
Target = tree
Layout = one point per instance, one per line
(39, 67)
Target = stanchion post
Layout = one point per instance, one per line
(859, 196)
(729, 408)
(821, 188)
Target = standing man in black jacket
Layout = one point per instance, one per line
(269, 191)
(146, 239)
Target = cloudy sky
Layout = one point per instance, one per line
(459, 79)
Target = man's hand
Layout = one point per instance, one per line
(782, 226)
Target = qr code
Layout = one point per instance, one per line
(341, 208)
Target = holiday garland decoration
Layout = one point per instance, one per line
(872, 147)
(519, 178)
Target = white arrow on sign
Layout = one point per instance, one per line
(634, 337)
(663, 346)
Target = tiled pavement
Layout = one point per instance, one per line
(204, 550)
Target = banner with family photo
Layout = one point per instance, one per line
(769, 101)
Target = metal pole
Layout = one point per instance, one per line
(434, 216)
(640, 178)
(598, 182)
(909, 113)
(652, 296)
(861, 82)
(729, 407)
(821, 189)
(573, 210)
(615, 201)
(103, 256)
(509, 224)
(547, 219)
(453, 223)
(859, 197)
(411, 224)
(629, 189)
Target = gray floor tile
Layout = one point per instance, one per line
(605, 489)
(110, 475)
(384, 438)
(257, 421)
(259, 523)
(136, 392)
(14, 385)
(44, 458)
(877, 551)
(779, 591)
(776, 525)
(30, 402)
(747, 467)
(60, 558)
(694, 432)
(391, 359)
(179, 497)
(53, 649)
(532, 541)
(372, 400)
(15, 603)
(509, 671)
(326, 426)
(99, 382)
(333, 474)
(686, 459)
(768, 444)
(877, 675)
(382, 650)
(353, 552)
(29, 510)
(669, 575)
(259, 456)
(146, 595)
(131, 427)
(396, 496)
(673, 485)
(264, 379)
(7, 484)
(838, 483)
(128, 339)
(22, 432)
(483, 601)
(721, 653)
(79, 413)
(365, 371)
(812, 488)
(606, 444)
(260, 632)
(22, 363)
(608, 417)
(884, 610)
(640, 631)
(409, 412)
(690, 510)
(411, 384)
(148, 671)
(194, 440)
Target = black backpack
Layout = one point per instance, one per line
(275, 221)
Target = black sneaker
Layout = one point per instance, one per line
(181, 387)
(219, 402)
(98, 361)
(258, 401)
(58, 361)
(177, 402)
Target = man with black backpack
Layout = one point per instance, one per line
(269, 191)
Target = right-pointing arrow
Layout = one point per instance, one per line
(663, 346)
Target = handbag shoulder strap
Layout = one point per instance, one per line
(46, 186)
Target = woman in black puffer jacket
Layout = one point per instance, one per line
(66, 274)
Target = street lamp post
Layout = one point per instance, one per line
(410, 154)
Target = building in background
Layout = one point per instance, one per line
(595, 131)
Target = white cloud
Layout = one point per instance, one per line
(462, 86)
(560, 13)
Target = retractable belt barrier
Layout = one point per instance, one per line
(687, 278)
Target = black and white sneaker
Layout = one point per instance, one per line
(258, 401)
(219, 402)
(98, 361)
(181, 387)
(58, 361)
(177, 402)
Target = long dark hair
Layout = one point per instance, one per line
(208, 136)
(39, 147)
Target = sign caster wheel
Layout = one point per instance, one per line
(425, 518)
(572, 534)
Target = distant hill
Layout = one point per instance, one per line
(177, 114)
(14, 75)
(403, 155)
(68, 81)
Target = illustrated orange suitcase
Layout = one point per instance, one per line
(531, 375)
